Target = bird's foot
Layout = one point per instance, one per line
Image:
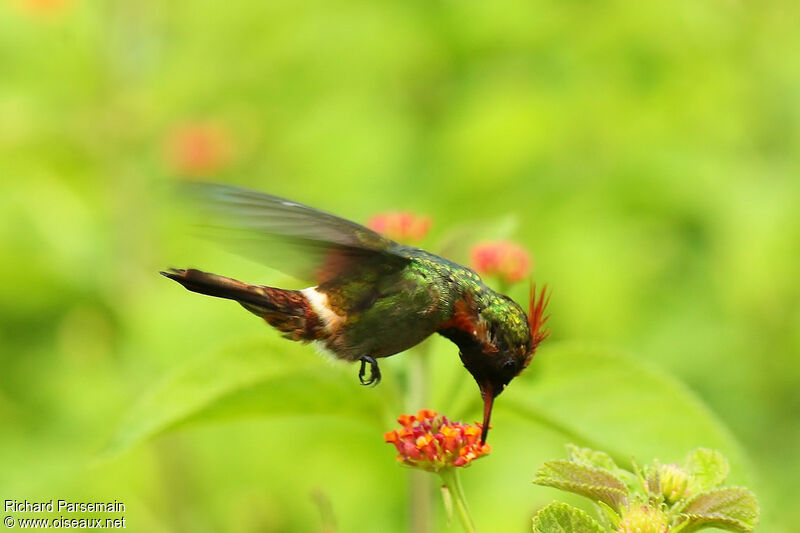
(374, 371)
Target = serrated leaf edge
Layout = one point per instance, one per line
(719, 517)
(571, 486)
(566, 507)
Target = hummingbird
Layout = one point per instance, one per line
(373, 297)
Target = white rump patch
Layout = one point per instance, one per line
(319, 303)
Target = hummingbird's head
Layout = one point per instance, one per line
(508, 341)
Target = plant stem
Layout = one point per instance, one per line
(420, 498)
(453, 483)
(418, 378)
(419, 502)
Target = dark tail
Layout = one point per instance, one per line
(286, 310)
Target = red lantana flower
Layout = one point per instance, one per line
(43, 7)
(401, 226)
(506, 260)
(198, 148)
(431, 442)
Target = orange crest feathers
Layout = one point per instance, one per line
(536, 318)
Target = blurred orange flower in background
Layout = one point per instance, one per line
(401, 226)
(198, 148)
(504, 259)
(43, 7)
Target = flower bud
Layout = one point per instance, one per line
(674, 482)
(640, 518)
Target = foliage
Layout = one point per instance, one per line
(257, 379)
(655, 499)
(260, 379)
(563, 518)
(645, 154)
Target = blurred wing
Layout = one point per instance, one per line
(296, 239)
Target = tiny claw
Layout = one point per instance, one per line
(374, 371)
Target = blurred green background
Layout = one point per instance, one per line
(648, 152)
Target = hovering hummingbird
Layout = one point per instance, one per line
(374, 297)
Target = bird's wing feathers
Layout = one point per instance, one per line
(299, 240)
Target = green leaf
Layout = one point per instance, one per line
(707, 469)
(260, 378)
(609, 516)
(562, 518)
(732, 508)
(592, 458)
(598, 459)
(594, 483)
(615, 403)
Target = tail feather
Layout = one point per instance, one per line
(286, 310)
(218, 286)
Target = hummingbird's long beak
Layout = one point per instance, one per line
(488, 402)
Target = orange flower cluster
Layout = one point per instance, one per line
(401, 226)
(509, 261)
(198, 148)
(43, 7)
(431, 442)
